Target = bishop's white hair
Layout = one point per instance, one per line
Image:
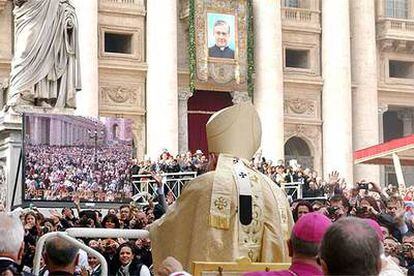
(11, 233)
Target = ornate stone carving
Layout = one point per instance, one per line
(382, 108)
(184, 94)
(184, 9)
(309, 132)
(398, 46)
(401, 46)
(221, 73)
(300, 106)
(3, 4)
(386, 45)
(119, 94)
(240, 97)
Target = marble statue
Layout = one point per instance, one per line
(46, 66)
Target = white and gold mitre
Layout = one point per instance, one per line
(235, 130)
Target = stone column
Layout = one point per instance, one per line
(382, 108)
(37, 131)
(268, 97)
(87, 100)
(336, 94)
(162, 98)
(406, 116)
(240, 97)
(183, 95)
(364, 73)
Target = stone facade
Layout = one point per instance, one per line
(305, 92)
(122, 75)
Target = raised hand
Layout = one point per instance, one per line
(333, 178)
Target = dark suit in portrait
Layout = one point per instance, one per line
(216, 52)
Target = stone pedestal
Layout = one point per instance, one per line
(10, 147)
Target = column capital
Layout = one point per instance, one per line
(382, 108)
(240, 97)
(184, 93)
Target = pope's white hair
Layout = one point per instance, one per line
(11, 234)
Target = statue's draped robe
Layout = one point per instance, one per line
(185, 231)
(46, 58)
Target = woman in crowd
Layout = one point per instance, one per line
(94, 265)
(31, 235)
(302, 208)
(126, 263)
(110, 221)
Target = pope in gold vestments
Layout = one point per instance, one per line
(204, 223)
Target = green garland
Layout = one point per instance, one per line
(192, 45)
(250, 49)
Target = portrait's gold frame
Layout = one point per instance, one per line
(221, 74)
(239, 267)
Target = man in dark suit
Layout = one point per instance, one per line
(222, 37)
(11, 245)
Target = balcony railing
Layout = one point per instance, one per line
(122, 1)
(301, 18)
(133, 7)
(395, 28)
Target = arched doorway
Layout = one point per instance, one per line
(297, 149)
(200, 107)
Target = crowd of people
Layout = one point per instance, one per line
(389, 209)
(104, 174)
(392, 217)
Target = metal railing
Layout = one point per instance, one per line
(145, 184)
(73, 233)
(293, 188)
(41, 242)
